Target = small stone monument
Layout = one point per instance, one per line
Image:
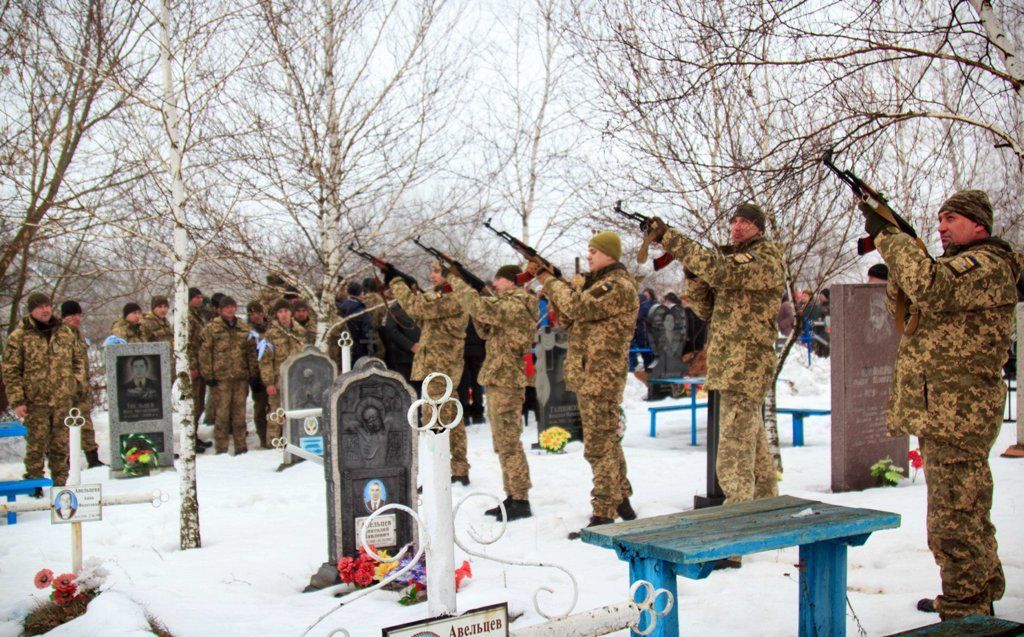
(139, 394)
(369, 461)
(666, 331)
(864, 342)
(557, 407)
(305, 376)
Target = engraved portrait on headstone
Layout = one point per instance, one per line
(556, 406)
(139, 395)
(666, 329)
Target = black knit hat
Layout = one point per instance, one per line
(37, 299)
(193, 293)
(280, 304)
(509, 271)
(254, 307)
(879, 271)
(70, 308)
(355, 288)
(159, 300)
(129, 308)
(751, 212)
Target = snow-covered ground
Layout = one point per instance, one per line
(264, 534)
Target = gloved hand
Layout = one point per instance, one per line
(211, 383)
(256, 384)
(390, 273)
(654, 230)
(873, 222)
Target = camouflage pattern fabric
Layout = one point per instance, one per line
(603, 315)
(130, 332)
(373, 299)
(309, 326)
(738, 289)
(283, 343)
(602, 447)
(83, 398)
(507, 322)
(948, 390)
(156, 329)
(505, 413)
(745, 468)
(43, 370)
(227, 353)
(442, 323)
(195, 338)
(260, 411)
(230, 423)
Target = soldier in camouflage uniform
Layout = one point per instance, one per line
(304, 316)
(42, 370)
(507, 322)
(129, 326)
(157, 329)
(442, 339)
(71, 317)
(375, 300)
(603, 314)
(257, 321)
(947, 387)
(227, 359)
(283, 338)
(195, 341)
(738, 288)
(272, 291)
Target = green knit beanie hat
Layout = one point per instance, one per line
(608, 243)
(751, 212)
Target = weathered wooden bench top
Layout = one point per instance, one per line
(976, 626)
(714, 533)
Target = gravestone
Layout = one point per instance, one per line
(557, 406)
(666, 331)
(864, 342)
(139, 394)
(368, 362)
(369, 461)
(305, 376)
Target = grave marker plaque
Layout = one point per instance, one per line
(666, 330)
(305, 376)
(139, 394)
(557, 406)
(864, 342)
(369, 460)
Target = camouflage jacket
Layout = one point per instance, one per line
(84, 394)
(130, 332)
(507, 322)
(155, 329)
(947, 381)
(195, 337)
(227, 353)
(43, 368)
(603, 316)
(442, 322)
(279, 343)
(373, 299)
(738, 289)
(309, 328)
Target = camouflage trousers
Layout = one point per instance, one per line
(198, 398)
(744, 466)
(210, 411)
(46, 440)
(602, 447)
(230, 398)
(260, 407)
(274, 426)
(505, 413)
(88, 430)
(457, 439)
(961, 535)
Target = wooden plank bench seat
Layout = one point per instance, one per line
(798, 414)
(692, 407)
(689, 544)
(975, 626)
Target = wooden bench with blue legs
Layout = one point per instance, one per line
(798, 415)
(689, 544)
(13, 488)
(976, 626)
(692, 407)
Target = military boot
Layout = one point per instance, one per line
(594, 521)
(93, 458)
(516, 510)
(625, 510)
(926, 605)
(496, 511)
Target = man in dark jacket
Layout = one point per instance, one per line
(640, 338)
(401, 340)
(360, 326)
(471, 394)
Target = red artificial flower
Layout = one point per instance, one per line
(44, 578)
(63, 597)
(65, 582)
(346, 569)
(364, 574)
(916, 461)
(461, 573)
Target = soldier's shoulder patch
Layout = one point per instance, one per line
(962, 265)
(742, 257)
(601, 289)
(438, 294)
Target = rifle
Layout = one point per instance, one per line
(526, 251)
(471, 279)
(645, 224)
(878, 202)
(384, 266)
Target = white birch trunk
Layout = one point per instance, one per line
(189, 518)
(330, 226)
(996, 32)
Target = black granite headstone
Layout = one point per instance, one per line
(557, 406)
(666, 331)
(305, 376)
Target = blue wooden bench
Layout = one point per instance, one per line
(976, 626)
(14, 488)
(798, 420)
(689, 544)
(692, 407)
